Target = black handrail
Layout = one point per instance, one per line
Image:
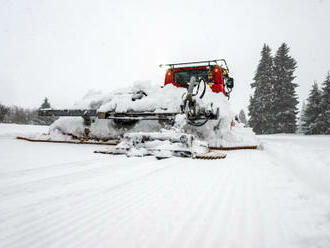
(196, 62)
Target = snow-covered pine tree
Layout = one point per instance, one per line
(301, 119)
(261, 102)
(44, 120)
(323, 120)
(3, 111)
(242, 117)
(312, 111)
(45, 104)
(285, 98)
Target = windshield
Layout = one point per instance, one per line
(183, 77)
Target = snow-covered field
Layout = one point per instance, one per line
(64, 195)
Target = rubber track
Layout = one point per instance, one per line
(115, 142)
(206, 156)
(69, 141)
(234, 148)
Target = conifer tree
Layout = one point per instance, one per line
(323, 119)
(285, 98)
(312, 111)
(3, 111)
(261, 102)
(44, 120)
(301, 119)
(45, 104)
(242, 117)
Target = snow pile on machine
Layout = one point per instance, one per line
(161, 138)
(160, 144)
(163, 144)
(157, 99)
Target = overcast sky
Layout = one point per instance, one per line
(63, 48)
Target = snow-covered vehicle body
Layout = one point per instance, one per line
(149, 108)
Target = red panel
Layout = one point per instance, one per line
(217, 77)
(190, 68)
(217, 86)
(169, 77)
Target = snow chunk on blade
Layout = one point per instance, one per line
(164, 144)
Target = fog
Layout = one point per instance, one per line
(61, 49)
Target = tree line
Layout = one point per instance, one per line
(273, 105)
(19, 115)
(315, 114)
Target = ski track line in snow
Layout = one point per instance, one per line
(250, 199)
(158, 203)
(222, 230)
(50, 180)
(114, 215)
(65, 177)
(223, 202)
(223, 217)
(129, 213)
(52, 168)
(309, 204)
(293, 157)
(136, 173)
(190, 207)
(80, 219)
(72, 227)
(199, 208)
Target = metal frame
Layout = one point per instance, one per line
(68, 112)
(208, 62)
(88, 113)
(154, 116)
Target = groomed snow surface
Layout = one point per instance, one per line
(64, 195)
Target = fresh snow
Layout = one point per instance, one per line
(64, 195)
(14, 130)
